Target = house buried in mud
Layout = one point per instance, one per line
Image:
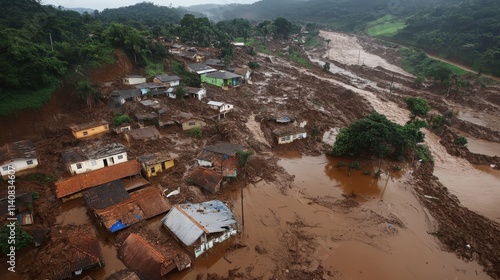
(71, 251)
(21, 155)
(89, 129)
(221, 157)
(142, 204)
(149, 260)
(22, 208)
(206, 179)
(200, 226)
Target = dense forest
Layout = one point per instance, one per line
(469, 31)
(464, 30)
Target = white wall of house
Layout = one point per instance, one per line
(207, 244)
(202, 93)
(204, 163)
(175, 83)
(19, 164)
(134, 80)
(94, 164)
(291, 138)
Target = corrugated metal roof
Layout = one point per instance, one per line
(147, 132)
(21, 149)
(95, 150)
(222, 75)
(224, 148)
(189, 221)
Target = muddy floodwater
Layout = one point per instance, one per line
(479, 146)
(357, 243)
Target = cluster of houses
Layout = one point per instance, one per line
(116, 191)
(116, 188)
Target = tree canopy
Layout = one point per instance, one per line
(376, 135)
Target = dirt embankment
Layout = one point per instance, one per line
(469, 235)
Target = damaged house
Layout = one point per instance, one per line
(206, 179)
(89, 129)
(93, 156)
(188, 121)
(151, 260)
(21, 155)
(289, 134)
(200, 226)
(71, 252)
(22, 208)
(134, 80)
(222, 79)
(155, 163)
(142, 204)
(222, 157)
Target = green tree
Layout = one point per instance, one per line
(326, 67)
(418, 107)
(282, 28)
(22, 238)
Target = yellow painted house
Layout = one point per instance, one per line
(153, 164)
(89, 129)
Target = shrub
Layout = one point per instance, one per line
(460, 140)
(195, 132)
(119, 119)
(253, 64)
(423, 153)
(367, 172)
(22, 238)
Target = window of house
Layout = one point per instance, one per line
(29, 162)
(85, 133)
(5, 168)
(93, 163)
(192, 123)
(120, 157)
(288, 137)
(78, 166)
(283, 138)
(153, 169)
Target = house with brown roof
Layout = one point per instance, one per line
(153, 164)
(199, 227)
(145, 133)
(18, 156)
(289, 134)
(188, 121)
(71, 252)
(222, 157)
(89, 129)
(243, 72)
(93, 156)
(167, 80)
(74, 185)
(151, 260)
(142, 204)
(207, 179)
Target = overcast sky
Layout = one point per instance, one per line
(103, 4)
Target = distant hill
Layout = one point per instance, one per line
(80, 10)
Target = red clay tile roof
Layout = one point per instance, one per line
(71, 248)
(98, 177)
(142, 204)
(148, 260)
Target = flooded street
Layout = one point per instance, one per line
(385, 237)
